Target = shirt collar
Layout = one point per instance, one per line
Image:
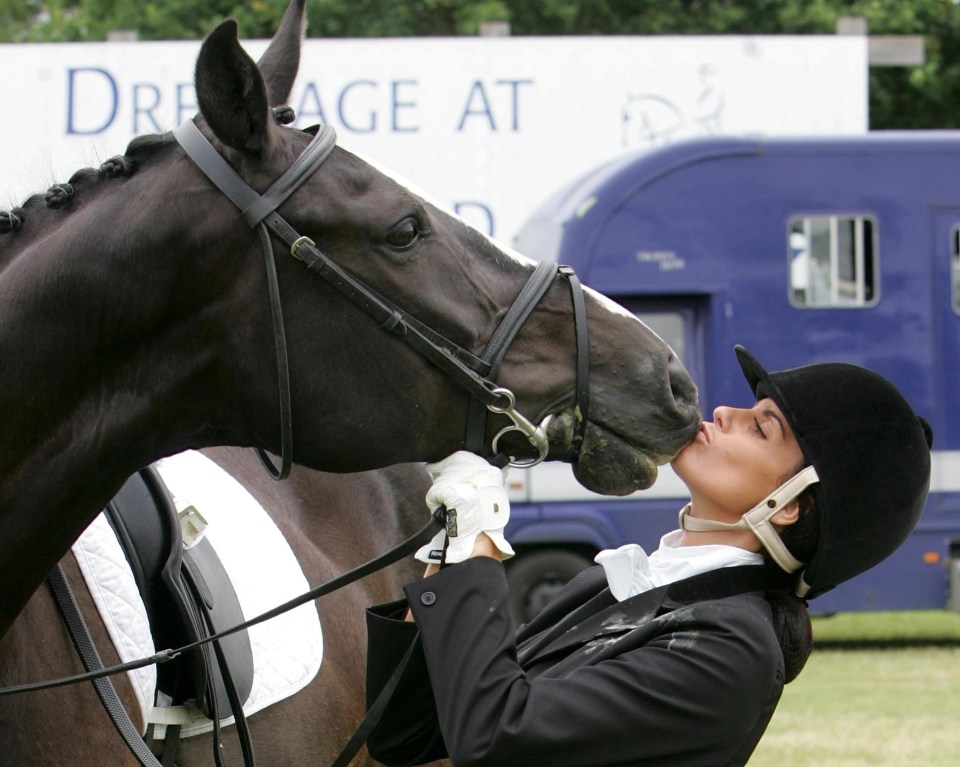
(630, 571)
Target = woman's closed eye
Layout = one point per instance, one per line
(759, 429)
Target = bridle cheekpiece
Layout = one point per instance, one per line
(475, 374)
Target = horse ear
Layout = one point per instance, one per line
(230, 91)
(281, 61)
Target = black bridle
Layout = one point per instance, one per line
(475, 374)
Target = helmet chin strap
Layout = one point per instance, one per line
(758, 519)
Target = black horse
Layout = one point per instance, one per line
(136, 322)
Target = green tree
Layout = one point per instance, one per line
(927, 96)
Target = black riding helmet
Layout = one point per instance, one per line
(871, 453)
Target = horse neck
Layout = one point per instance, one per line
(103, 372)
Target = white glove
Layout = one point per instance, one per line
(473, 492)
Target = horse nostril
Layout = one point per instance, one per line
(682, 387)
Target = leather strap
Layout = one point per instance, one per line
(404, 549)
(283, 366)
(86, 649)
(376, 709)
(758, 518)
(219, 608)
(582, 396)
(524, 304)
(260, 211)
(254, 207)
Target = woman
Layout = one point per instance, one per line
(678, 658)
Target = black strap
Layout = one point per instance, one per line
(260, 211)
(524, 304)
(254, 206)
(582, 396)
(407, 547)
(63, 596)
(218, 608)
(236, 707)
(376, 709)
(283, 367)
(466, 369)
(302, 168)
(171, 740)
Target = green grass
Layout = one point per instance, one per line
(895, 705)
(920, 625)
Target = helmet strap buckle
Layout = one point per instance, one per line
(758, 519)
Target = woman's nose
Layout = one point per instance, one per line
(721, 417)
(725, 417)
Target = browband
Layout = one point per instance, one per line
(255, 207)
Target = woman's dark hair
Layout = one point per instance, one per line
(791, 621)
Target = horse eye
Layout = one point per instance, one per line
(404, 234)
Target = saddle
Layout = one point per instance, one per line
(187, 593)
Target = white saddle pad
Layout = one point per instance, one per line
(287, 650)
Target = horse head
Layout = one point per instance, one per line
(137, 323)
(443, 273)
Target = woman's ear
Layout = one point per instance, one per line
(787, 515)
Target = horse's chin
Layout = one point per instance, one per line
(607, 464)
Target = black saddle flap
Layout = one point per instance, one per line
(188, 595)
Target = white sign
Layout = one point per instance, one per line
(488, 126)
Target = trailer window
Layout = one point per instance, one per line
(832, 261)
(670, 327)
(955, 267)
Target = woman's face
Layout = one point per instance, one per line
(739, 459)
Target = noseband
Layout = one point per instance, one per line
(475, 374)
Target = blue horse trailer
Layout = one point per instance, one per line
(802, 250)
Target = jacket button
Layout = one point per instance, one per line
(428, 598)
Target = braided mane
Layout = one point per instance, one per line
(60, 196)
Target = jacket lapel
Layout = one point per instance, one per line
(598, 616)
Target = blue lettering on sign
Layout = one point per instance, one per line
(371, 117)
(514, 86)
(397, 105)
(150, 112)
(147, 109)
(73, 86)
(310, 105)
(360, 108)
(478, 104)
(477, 93)
(477, 214)
(190, 106)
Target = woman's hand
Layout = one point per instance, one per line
(472, 491)
(484, 547)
